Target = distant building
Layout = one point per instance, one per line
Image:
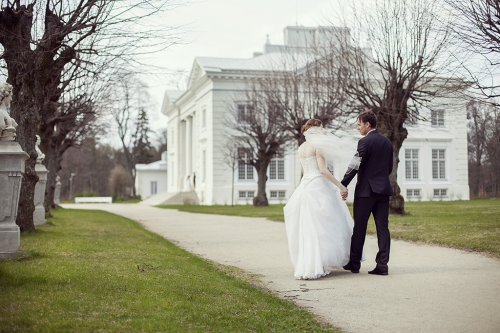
(433, 159)
(151, 179)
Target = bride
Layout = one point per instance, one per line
(318, 223)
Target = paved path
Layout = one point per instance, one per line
(429, 289)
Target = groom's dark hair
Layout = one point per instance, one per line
(368, 117)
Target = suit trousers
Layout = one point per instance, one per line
(378, 205)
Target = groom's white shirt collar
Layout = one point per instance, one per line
(371, 131)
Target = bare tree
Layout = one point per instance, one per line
(403, 69)
(78, 116)
(231, 159)
(41, 39)
(476, 25)
(91, 162)
(479, 119)
(493, 150)
(120, 182)
(130, 100)
(255, 125)
(304, 83)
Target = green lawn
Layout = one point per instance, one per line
(91, 271)
(472, 225)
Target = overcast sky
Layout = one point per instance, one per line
(230, 29)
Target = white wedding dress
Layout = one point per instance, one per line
(318, 223)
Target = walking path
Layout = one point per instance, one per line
(429, 289)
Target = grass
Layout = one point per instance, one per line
(471, 225)
(92, 271)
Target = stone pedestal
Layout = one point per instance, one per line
(39, 199)
(12, 159)
(57, 192)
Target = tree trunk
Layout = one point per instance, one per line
(24, 111)
(26, 198)
(396, 202)
(15, 29)
(260, 199)
(53, 159)
(392, 128)
(52, 166)
(233, 168)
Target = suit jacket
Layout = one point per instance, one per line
(376, 154)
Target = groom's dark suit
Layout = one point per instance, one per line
(371, 195)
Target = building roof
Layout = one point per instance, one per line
(265, 62)
(160, 165)
(174, 94)
(155, 166)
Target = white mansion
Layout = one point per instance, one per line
(433, 159)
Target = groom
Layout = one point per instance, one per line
(372, 193)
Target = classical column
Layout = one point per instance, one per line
(189, 145)
(182, 156)
(39, 198)
(12, 159)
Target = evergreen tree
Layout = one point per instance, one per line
(142, 147)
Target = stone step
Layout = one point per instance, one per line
(157, 199)
(183, 198)
(169, 198)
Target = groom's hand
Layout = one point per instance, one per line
(344, 194)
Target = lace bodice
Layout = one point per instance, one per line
(308, 161)
(310, 166)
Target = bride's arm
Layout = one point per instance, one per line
(326, 173)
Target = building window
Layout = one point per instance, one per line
(203, 165)
(438, 164)
(437, 118)
(277, 194)
(412, 193)
(154, 187)
(204, 117)
(277, 166)
(411, 163)
(245, 170)
(246, 194)
(244, 111)
(440, 193)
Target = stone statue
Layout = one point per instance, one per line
(41, 156)
(7, 124)
(57, 191)
(39, 197)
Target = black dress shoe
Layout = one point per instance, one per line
(348, 267)
(379, 271)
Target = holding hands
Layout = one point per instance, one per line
(343, 192)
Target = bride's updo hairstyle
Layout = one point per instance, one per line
(311, 123)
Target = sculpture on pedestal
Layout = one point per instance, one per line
(7, 124)
(41, 156)
(57, 191)
(39, 199)
(12, 159)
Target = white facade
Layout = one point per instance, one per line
(439, 169)
(196, 141)
(151, 179)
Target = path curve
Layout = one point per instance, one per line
(429, 289)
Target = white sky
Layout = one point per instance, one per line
(230, 29)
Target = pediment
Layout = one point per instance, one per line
(196, 73)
